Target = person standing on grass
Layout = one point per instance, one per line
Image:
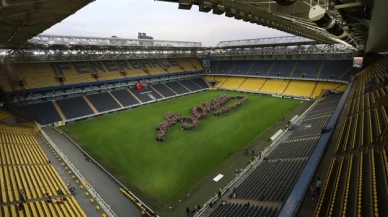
(318, 186)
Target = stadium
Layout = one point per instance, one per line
(280, 126)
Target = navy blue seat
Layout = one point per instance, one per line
(43, 113)
(161, 88)
(242, 67)
(261, 67)
(142, 95)
(74, 107)
(103, 102)
(200, 82)
(124, 97)
(190, 85)
(175, 86)
(309, 68)
(282, 67)
(335, 68)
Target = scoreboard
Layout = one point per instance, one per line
(206, 63)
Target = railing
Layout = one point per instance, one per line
(119, 109)
(106, 172)
(281, 78)
(295, 198)
(267, 94)
(75, 171)
(231, 183)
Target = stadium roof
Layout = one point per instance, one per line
(292, 16)
(21, 20)
(86, 42)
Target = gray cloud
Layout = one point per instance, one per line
(164, 21)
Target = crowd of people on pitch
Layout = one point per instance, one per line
(169, 121)
(197, 113)
(226, 109)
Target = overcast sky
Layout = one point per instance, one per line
(162, 20)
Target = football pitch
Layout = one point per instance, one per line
(124, 143)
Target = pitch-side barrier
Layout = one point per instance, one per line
(60, 123)
(108, 211)
(231, 183)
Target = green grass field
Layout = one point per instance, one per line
(124, 142)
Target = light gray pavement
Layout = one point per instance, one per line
(83, 201)
(102, 183)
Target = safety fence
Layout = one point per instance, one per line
(295, 198)
(264, 152)
(282, 78)
(136, 200)
(108, 211)
(61, 123)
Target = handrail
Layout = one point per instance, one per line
(106, 172)
(120, 109)
(76, 172)
(212, 199)
(266, 93)
(280, 78)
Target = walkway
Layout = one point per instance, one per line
(82, 200)
(106, 188)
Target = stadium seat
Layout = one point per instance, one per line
(233, 83)
(274, 86)
(300, 88)
(25, 166)
(253, 84)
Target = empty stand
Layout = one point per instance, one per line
(242, 67)
(165, 91)
(233, 82)
(44, 112)
(190, 85)
(335, 69)
(200, 82)
(39, 75)
(264, 184)
(224, 67)
(124, 97)
(309, 68)
(74, 107)
(300, 88)
(253, 84)
(300, 148)
(142, 96)
(325, 69)
(177, 88)
(36, 75)
(274, 86)
(243, 210)
(261, 67)
(25, 166)
(282, 68)
(356, 181)
(103, 102)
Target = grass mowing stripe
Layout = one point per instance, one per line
(125, 141)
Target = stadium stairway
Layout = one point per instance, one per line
(124, 97)
(90, 104)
